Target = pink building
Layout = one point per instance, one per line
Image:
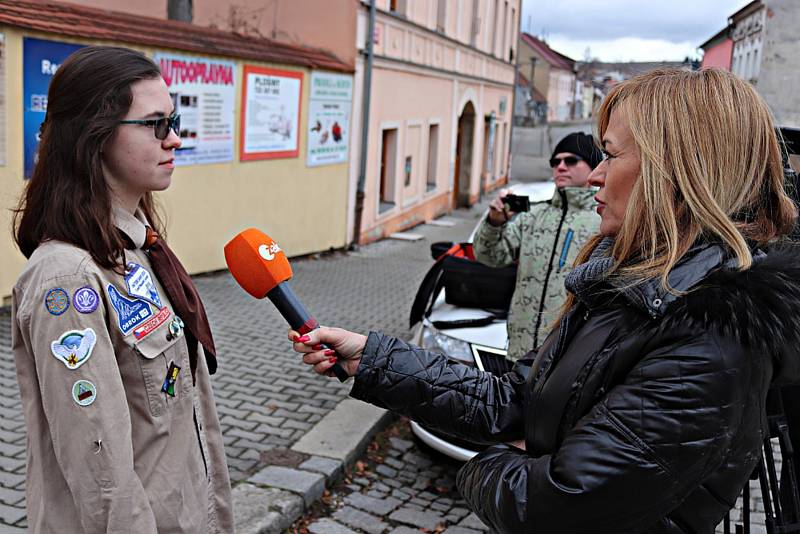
(718, 51)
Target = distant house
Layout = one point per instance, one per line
(530, 105)
(718, 50)
(553, 75)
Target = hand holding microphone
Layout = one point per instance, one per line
(348, 345)
(261, 268)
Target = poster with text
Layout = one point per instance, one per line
(271, 113)
(203, 92)
(329, 106)
(40, 60)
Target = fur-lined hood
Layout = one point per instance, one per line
(760, 306)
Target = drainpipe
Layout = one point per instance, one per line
(362, 168)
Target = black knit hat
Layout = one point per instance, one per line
(582, 145)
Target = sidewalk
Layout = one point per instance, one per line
(273, 409)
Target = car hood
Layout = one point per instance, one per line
(493, 335)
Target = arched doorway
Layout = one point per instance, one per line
(466, 132)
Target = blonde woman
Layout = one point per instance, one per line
(643, 411)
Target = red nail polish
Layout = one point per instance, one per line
(329, 352)
(318, 346)
(303, 339)
(332, 359)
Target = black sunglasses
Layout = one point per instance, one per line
(569, 160)
(161, 127)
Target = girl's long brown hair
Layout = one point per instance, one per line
(68, 198)
(710, 165)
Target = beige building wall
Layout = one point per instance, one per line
(324, 24)
(541, 73)
(433, 61)
(303, 208)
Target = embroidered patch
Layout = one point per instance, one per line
(84, 392)
(56, 301)
(157, 320)
(130, 313)
(140, 284)
(74, 347)
(168, 386)
(86, 299)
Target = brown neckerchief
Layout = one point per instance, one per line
(184, 299)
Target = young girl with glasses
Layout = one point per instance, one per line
(110, 339)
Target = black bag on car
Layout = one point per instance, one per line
(467, 283)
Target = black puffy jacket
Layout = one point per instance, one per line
(643, 413)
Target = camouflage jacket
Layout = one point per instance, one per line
(546, 241)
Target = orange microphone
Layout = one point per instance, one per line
(261, 268)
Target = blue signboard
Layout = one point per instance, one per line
(40, 61)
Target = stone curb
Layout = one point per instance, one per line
(275, 497)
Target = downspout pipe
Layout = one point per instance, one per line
(362, 168)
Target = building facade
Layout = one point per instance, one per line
(779, 74)
(747, 27)
(718, 51)
(440, 110)
(437, 128)
(553, 75)
(235, 173)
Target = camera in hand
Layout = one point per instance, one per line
(517, 203)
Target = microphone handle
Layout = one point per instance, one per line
(290, 307)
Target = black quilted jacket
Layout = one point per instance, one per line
(642, 413)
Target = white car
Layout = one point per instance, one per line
(483, 347)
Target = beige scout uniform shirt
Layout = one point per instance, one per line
(107, 450)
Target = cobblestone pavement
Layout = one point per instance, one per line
(266, 398)
(398, 487)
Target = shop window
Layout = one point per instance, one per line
(388, 169)
(433, 156)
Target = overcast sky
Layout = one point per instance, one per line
(627, 30)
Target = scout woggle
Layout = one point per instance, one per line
(74, 347)
(260, 267)
(175, 328)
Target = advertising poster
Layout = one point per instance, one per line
(203, 92)
(271, 113)
(40, 60)
(330, 102)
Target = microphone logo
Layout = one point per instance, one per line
(268, 251)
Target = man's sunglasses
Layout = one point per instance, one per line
(161, 127)
(569, 160)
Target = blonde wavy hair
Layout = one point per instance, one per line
(710, 166)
